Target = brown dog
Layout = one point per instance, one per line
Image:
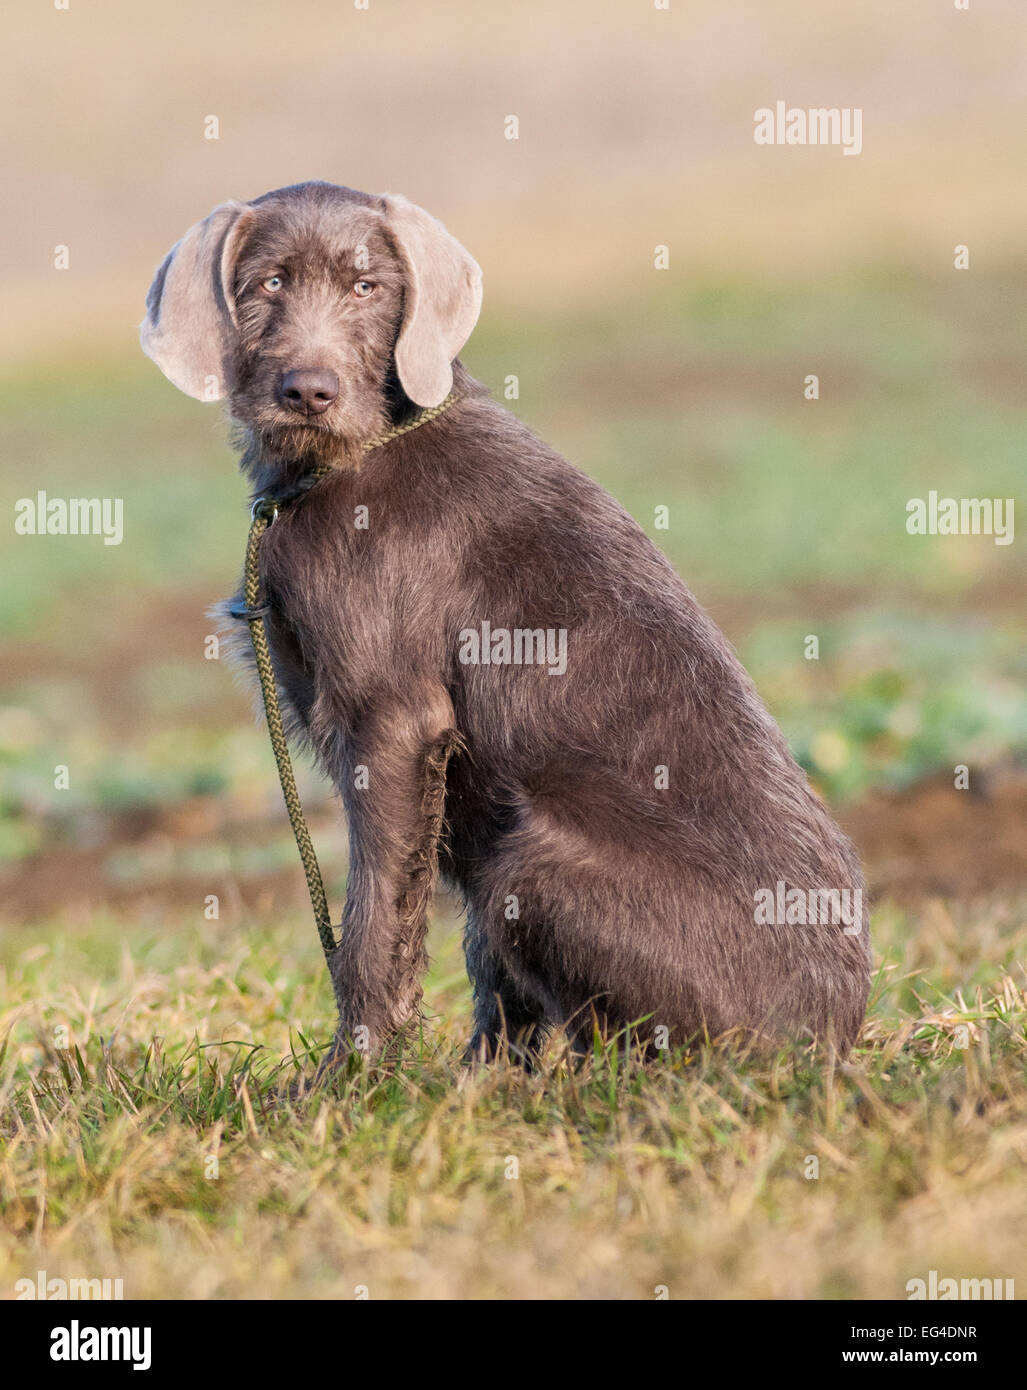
(624, 821)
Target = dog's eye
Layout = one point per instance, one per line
(272, 284)
(363, 288)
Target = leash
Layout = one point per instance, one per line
(263, 514)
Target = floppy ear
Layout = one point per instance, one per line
(442, 301)
(189, 309)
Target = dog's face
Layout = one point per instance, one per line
(318, 295)
(309, 308)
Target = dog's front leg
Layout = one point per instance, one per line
(393, 785)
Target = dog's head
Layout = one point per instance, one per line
(309, 308)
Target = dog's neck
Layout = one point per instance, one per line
(271, 471)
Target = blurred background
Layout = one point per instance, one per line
(680, 387)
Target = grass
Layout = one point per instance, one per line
(162, 1141)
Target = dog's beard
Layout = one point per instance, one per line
(289, 438)
(290, 442)
(276, 454)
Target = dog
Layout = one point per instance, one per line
(504, 678)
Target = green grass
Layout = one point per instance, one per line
(184, 1043)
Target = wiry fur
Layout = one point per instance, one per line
(632, 902)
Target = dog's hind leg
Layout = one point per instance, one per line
(505, 1015)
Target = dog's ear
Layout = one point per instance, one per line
(441, 305)
(190, 314)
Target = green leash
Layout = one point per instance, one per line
(265, 509)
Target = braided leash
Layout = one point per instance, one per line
(265, 509)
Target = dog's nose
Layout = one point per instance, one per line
(309, 391)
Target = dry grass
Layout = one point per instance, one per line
(691, 1174)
